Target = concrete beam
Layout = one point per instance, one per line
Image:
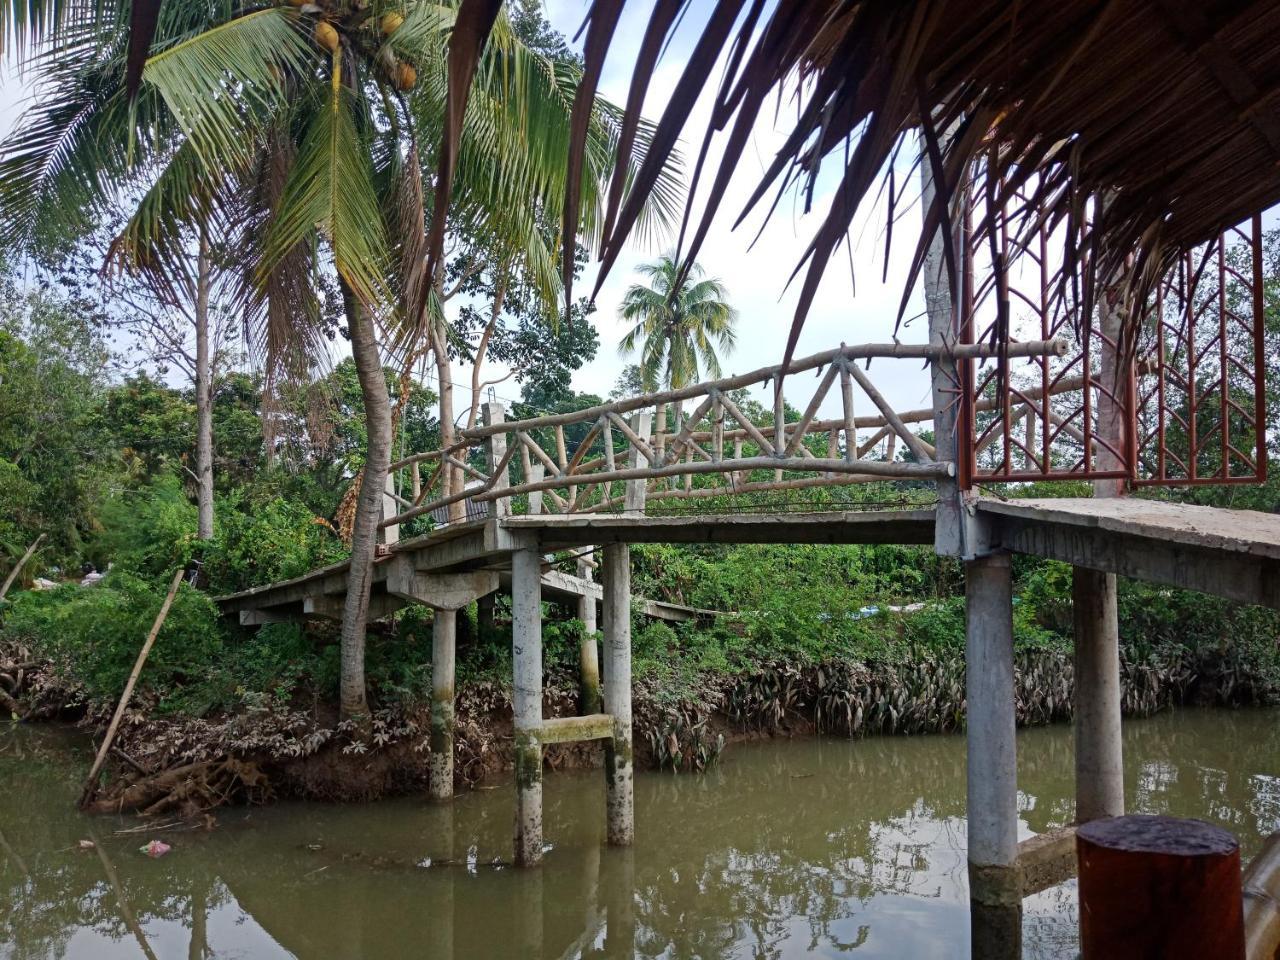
(1047, 859)
(443, 591)
(257, 618)
(557, 531)
(1228, 553)
(595, 726)
(325, 607)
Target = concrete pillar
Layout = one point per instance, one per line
(390, 533)
(444, 636)
(526, 648)
(1096, 714)
(588, 652)
(619, 779)
(992, 801)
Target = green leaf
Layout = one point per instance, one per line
(330, 188)
(222, 83)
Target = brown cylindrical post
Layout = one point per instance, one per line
(1159, 887)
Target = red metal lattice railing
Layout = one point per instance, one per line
(1187, 405)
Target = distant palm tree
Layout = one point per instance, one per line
(677, 329)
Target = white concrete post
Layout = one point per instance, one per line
(1096, 713)
(633, 500)
(619, 779)
(588, 651)
(444, 634)
(391, 533)
(992, 772)
(496, 449)
(1096, 717)
(536, 472)
(526, 648)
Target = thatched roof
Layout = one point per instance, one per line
(1168, 108)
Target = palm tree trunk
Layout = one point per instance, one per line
(364, 536)
(204, 395)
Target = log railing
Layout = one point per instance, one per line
(622, 455)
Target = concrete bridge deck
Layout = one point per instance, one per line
(1229, 553)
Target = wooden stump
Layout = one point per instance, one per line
(1159, 887)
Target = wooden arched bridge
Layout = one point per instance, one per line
(512, 502)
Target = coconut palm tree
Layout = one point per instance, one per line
(680, 319)
(299, 134)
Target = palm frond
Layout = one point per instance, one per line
(223, 82)
(330, 188)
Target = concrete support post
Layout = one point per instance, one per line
(619, 780)
(444, 636)
(945, 375)
(526, 648)
(588, 650)
(1099, 751)
(391, 533)
(634, 497)
(1096, 714)
(496, 450)
(992, 801)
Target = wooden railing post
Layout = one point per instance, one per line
(634, 497)
(496, 450)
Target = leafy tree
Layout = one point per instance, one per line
(282, 127)
(53, 362)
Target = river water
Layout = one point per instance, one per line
(786, 848)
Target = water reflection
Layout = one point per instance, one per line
(821, 847)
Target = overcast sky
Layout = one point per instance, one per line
(756, 274)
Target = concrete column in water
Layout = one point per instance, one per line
(526, 648)
(1099, 753)
(588, 655)
(619, 779)
(444, 635)
(992, 803)
(1096, 714)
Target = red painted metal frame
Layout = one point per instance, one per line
(1190, 409)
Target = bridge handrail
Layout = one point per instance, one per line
(652, 459)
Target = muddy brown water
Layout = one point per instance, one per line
(786, 848)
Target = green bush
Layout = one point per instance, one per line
(148, 532)
(93, 635)
(273, 539)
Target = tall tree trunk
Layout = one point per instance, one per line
(204, 394)
(450, 475)
(482, 348)
(364, 536)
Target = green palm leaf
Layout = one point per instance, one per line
(222, 83)
(330, 188)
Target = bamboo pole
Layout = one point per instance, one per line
(17, 567)
(89, 784)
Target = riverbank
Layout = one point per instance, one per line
(286, 748)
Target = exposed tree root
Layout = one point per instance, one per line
(187, 790)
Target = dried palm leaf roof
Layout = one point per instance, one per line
(1170, 109)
